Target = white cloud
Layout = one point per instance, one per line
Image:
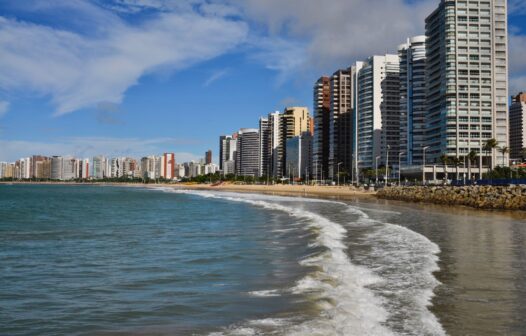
(215, 76)
(516, 7)
(79, 71)
(4, 107)
(90, 146)
(338, 32)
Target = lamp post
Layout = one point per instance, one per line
(399, 166)
(387, 165)
(339, 163)
(424, 164)
(376, 181)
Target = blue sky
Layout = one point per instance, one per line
(138, 77)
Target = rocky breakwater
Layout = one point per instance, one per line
(483, 197)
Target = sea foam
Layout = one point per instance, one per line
(350, 295)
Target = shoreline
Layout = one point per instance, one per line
(328, 192)
(283, 189)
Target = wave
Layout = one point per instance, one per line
(354, 299)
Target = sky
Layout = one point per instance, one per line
(143, 77)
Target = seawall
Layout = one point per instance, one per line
(482, 197)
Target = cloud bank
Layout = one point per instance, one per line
(79, 71)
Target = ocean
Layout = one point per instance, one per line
(105, 260)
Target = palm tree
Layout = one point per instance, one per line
(444, 159)
(489, 146)
(523, 152)
(457, 162)
(472, 156)
(504, 150)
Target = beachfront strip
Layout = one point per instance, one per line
(437, 109)
(66, 168)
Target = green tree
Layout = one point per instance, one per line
(444, 159)
(504, 150)
(489, 147)
(472, 157)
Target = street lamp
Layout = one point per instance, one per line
(387, 165)
(399, 165)
(424, 164)
(377, 169)
(339, 163)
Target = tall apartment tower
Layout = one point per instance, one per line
(227, 151)
(518, 127)
(467, 78)
(341, 122)
(264, 147)
(208, 157)
(247, 162)
(322, 123)
(168, 166)
(412, 99)
(293, 122)
(56, 167)
(99, 167)
(377, 111)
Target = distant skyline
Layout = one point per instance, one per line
(134, 78)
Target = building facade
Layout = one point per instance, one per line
(518, 127)
(247, 161)
(168, 166)
(341, 122)
(412, 56)
(299, 157)
(322, 126)
(467, 79)
(377, 110)
(227, 150)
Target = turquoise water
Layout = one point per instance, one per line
(91, 260)
(86, 259)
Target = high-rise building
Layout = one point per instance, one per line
(227, 149)
(69, 168)
(293, 122)
(377, 111)
(467, 78)
(56, 168)
(83, 169)
(38, 167)
(168, 166)
(299, 157)
(99, 167)
(341, 122)
(265, 151)
(518, 127)
(208, 157)
(412, 56)
(247, 161)
(322, 127)
(117, 167)
(148, 168)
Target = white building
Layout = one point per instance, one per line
(467, 79)
(377, 112)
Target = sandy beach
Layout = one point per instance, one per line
(281, 189)
(284, 189)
